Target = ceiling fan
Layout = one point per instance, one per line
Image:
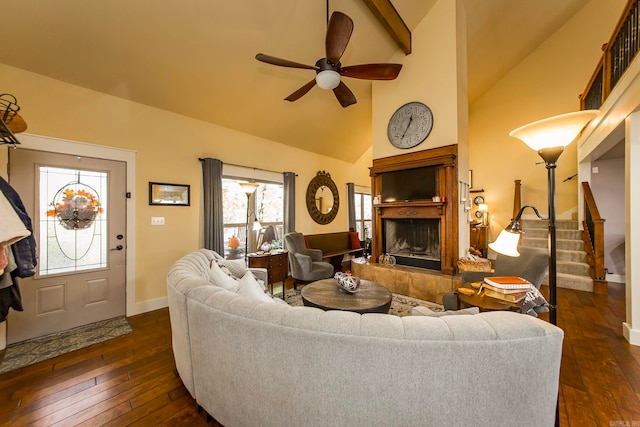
(328, 70)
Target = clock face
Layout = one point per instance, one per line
(410, 125)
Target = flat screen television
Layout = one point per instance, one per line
(410, 185)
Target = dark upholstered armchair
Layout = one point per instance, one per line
(305, 264)
(532, 264)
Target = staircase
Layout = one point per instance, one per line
(572, 270)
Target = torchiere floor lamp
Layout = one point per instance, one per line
(548, 137)
(249, 188)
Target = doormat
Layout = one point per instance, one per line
(36, 350)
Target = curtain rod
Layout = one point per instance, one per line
(247, 167)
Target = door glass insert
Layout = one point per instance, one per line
(73, 220)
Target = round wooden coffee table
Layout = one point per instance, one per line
(368, 298)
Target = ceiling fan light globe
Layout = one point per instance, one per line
(328, 79)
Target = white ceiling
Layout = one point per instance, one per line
(196, 57)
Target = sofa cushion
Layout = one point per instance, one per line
(249, 287)
(220, 278)
(425, 311)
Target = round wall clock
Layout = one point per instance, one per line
(410, 125)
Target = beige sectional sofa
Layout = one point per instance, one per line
(253, 362)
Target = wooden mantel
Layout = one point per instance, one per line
(445, 159)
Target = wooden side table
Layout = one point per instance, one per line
(486, 303)
(276, 264)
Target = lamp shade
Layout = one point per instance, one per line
(249, 187)
(328, 79)
(483, 207)
(506, 243)
(557, 131)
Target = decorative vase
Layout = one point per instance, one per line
(266, 247)
(387, 259)
(346, 281)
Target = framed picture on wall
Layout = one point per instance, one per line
(169, 194)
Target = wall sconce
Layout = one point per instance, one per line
(484, 208)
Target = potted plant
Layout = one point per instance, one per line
(234, 245)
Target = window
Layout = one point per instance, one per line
(363, 215)
(73, 220)
(266, 206)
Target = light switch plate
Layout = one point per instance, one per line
(157, 220)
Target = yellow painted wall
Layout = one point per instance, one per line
(168, 146)
(435, 73)
(546, 83)
(430, 74)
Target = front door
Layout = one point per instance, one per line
(78, 210)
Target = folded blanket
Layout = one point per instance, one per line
(534, 303)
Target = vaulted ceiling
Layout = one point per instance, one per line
(196, 57)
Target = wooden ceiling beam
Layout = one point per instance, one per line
(392, 22)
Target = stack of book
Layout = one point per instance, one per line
(511, 289)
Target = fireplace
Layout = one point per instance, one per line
(417, 228)
(413, 242)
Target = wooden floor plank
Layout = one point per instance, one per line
(132, 380)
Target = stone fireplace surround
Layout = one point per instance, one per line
(445, 161)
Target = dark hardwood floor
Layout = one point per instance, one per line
(132, 380)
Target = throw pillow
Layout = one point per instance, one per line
(250, 288)
(355, 240)
(219, 278)
(236, 267)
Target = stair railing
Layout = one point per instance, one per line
(617, 55)
(593, 234)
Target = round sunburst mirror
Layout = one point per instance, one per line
(322, 198)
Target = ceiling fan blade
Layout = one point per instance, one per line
(282, 62)
(338, 34)
(372, 71)
(301, 92)
(344, 95)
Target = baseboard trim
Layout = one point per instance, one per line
(146, 306)
(631, 335)
(616, 278)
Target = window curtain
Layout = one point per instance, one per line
(351, 205)
(289, 220)
(213, 220)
